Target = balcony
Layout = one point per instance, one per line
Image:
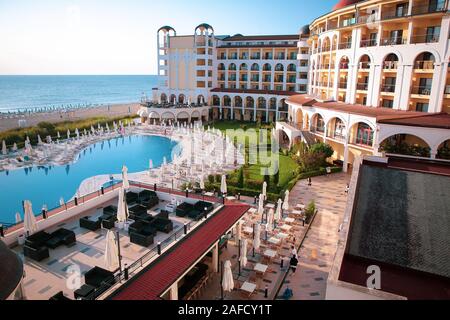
(255, 57)
(368, 43)
(343, 85)
(233, 57)
(393, 41)
(421, 90)
(280, 56)
(390, 65)
(254, 79)
(222, 57)
(425, 38)
(347, 22)
(318, 129)
(394, 14)
(431, 8)
(267, 79)
(345, 45)
(362, 86)
(424, 65)
(388, 88)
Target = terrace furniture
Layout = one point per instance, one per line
(110, 210)
(184, 209)
(132, 198)
(248, 288)
(36, 253)
(108, 221)
(61, 237)
(163, 225)
(89, 224)
(145, 237)
(196, 215)
(147, 195)
(97, 276)
(35, 247)
(138, 226)
(202, 205)
(84, 292)
(59, 297)
(138, 212)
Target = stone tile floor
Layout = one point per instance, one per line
(318, 251)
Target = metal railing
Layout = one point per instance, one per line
(368, 43)
(390, 88)
(362, 86)
(393, 41)
(424, 65)
(421, 90)
(425, 38)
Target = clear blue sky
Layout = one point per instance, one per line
(119, 36)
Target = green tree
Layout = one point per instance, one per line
(323, 148)
(241, 178)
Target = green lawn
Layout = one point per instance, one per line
(253, 172)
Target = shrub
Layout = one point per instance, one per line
(240, 181)
(322, 148)
(310, 211)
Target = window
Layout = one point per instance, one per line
(433, 34)
(364, 135)
(387, 103)
(422, 107)
(401, 10)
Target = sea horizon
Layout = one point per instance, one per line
(19, 92)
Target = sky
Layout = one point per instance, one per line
(105, 37)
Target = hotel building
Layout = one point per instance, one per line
(240, 77)
(378, 81)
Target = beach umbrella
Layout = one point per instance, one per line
(62, 202)
(28, 139)
(257, 239)
(286, 201)
(30, 225)
(111, 252)
(202, 182)
(270, 217)
(92, 130)
(77, 132)
(223, 185)
(4, 149)
(85, 132)
(68, 134)
(265, 190)
(227, 281)
(18, 218)
(58, 135)
(122, 210)
(39, 139)
(125, 182)
(99, 127)
(278, 212)
(243, 259)
(150, 164)
(261, 205)
(15, 147)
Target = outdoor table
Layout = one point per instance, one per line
(297, 212)
(270, 254)
(282, 236)
(270, 206)
(248, 230)
(289, 220)
(274, 241)
(286, 228)
(248, 287)
(261, 268)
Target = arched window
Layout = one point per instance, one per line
(243, 67)
(279, 67)
(255, 67)
(267, 67)
(391, 61)
(232, 67)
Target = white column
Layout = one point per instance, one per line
(215, 258)
(173, 294)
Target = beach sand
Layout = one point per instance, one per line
(118, 110)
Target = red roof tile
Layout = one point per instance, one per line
(159, 276)
(383, 115)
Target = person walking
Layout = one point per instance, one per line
(347, 189)
(309, 182)
(294, 264)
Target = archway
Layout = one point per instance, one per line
(250, 103)
(173, 99)
(406, 144)
(181, 99)
(318, 123)
(362, 134)
(444, 151)
(238, 102)
(201, 100)
(262, 103)
(215, 101)
(226, 101)
(163, 98)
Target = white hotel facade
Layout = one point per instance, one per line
(369, 75)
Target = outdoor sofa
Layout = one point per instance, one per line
(92, 225)
(97, 277)
(35, 247)
(61, 237)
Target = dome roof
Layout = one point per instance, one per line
(11, 271)
(167, 29)
(204, 26)
(304, 30)
(344, 3)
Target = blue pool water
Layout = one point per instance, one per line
(46, 185)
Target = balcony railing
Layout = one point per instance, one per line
(393, 14)
(364, 65)
(390, 65)
(267, 79)
(447, 89)
(342, 85)
(368, 43)
(421, 90)
(255, 57)
(425, 38)
(347, 22)
(424, 65)
(393, 41)
(388, 88)
(362, 86)
(422, 9)
(345, 45)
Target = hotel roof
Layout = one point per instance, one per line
(240, 37)
(382, 115)
(400, 222)
(151, 283)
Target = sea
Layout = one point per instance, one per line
(38, 92)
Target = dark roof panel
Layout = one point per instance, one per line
(11, 271)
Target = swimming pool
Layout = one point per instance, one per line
(46, 185)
